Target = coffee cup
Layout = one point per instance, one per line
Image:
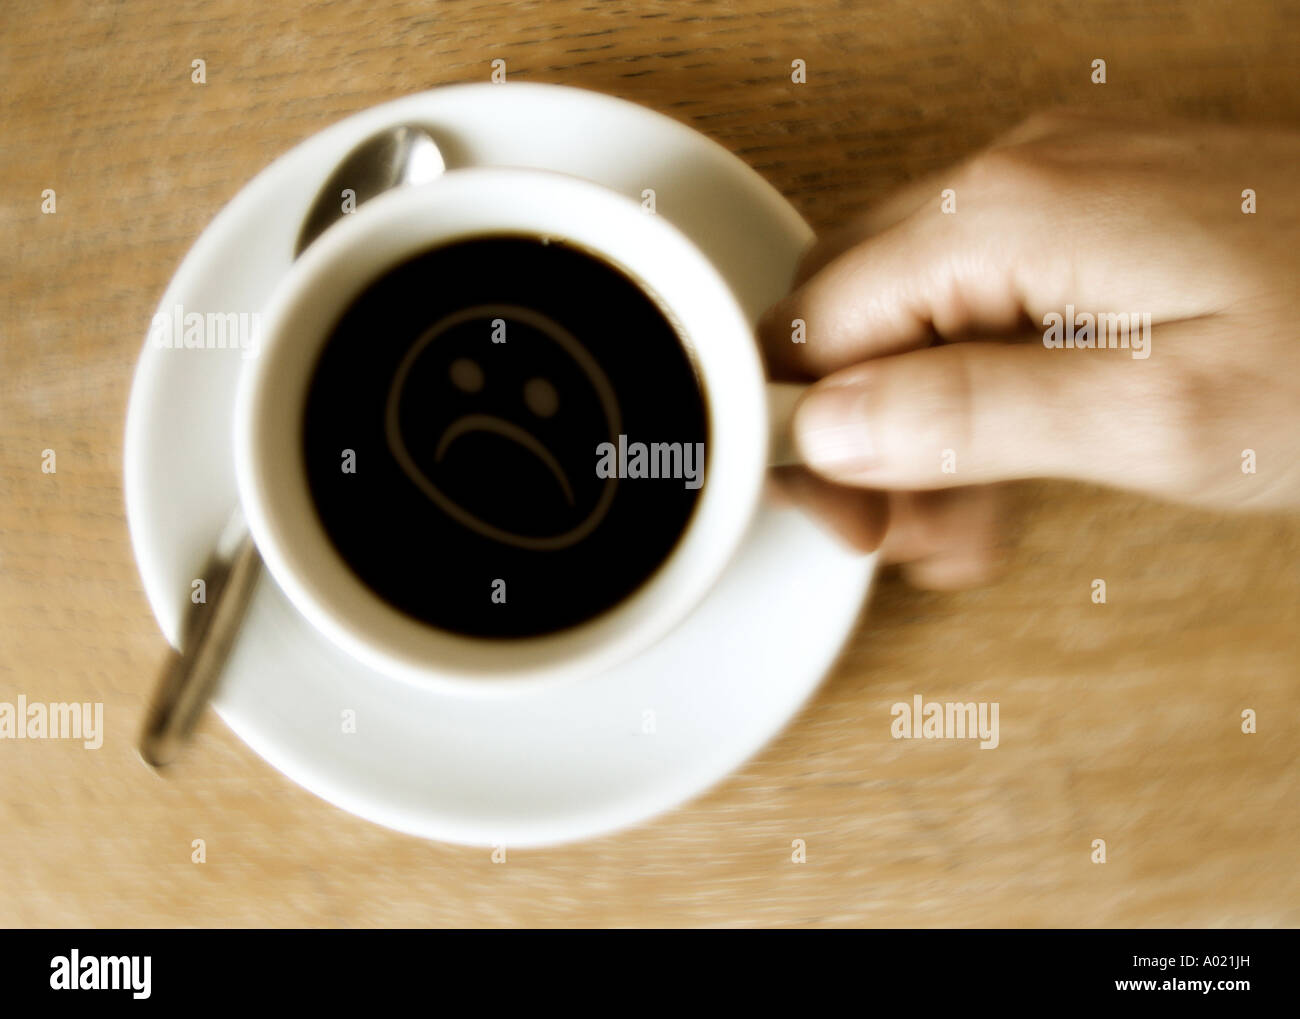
(513, 543)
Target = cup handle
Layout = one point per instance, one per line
(781, 400)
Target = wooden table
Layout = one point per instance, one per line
(1118, 721)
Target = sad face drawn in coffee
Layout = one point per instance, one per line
(501, 435)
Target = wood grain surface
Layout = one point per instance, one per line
(1118, 721)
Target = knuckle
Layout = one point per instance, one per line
(1010, 171)
(1175, 407)
(1048, 122)
(932, 412)
(1044, 122)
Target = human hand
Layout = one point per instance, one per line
(927, 331)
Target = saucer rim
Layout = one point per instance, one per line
(288, 757)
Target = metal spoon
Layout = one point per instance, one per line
(395, 157)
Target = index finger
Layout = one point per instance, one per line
(929, 276)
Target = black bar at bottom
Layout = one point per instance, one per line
(613, 969)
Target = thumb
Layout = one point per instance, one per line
(974, 413)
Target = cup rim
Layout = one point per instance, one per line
(386, 231)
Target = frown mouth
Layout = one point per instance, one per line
(470, 423)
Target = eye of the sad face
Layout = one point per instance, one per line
(541, 398)
(466, 375)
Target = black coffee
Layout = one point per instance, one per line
(504, 437)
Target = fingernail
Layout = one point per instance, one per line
(832, 431)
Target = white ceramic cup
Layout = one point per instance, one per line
(743, 413)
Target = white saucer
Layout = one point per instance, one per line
(554, 764)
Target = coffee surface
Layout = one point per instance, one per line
(504, 437)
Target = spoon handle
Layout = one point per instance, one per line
(207, 636)
(395, 157)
